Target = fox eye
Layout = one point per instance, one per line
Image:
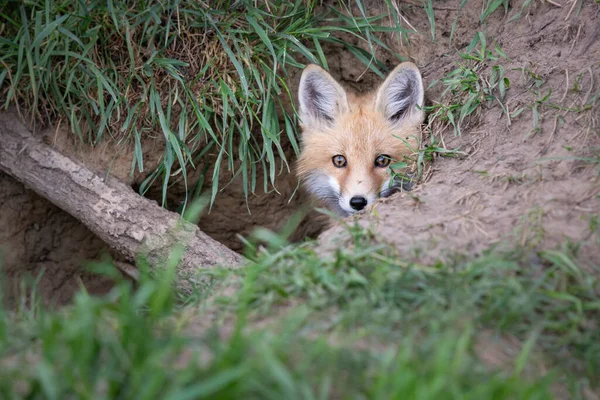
(339, 161)
(382, 161)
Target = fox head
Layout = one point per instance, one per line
(348, 142)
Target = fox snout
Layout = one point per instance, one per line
(348, 143)
(344, 200)
(358, 203)
(356, 197)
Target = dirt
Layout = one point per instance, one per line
(510, 186)
(38, 241)
(513, 186)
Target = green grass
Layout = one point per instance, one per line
(489, 6)
(359, 323)
(428, 7)
(412, 167)
(467, 88)
(212, 82)
(589, 157)
(579, 97)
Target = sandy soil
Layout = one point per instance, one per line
(513, 186)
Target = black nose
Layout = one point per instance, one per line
(358, 203)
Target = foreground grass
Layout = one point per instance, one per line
(360, 323)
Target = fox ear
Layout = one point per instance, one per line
(400, 97)
(321, 98)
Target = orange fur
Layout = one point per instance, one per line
(360, 131)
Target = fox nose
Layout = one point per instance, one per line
(358, 202)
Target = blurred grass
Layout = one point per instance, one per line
(359, 323)
(210, 78)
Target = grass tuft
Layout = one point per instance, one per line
(211, 81)
(467, 89)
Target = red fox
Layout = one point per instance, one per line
(349, 142)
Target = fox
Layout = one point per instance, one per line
(348, 141)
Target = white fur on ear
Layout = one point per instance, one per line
(321, 97)
(401, 93)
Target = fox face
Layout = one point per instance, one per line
(349, 142)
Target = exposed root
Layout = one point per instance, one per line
(468, 199)
(589, 92)
(128, 269)
(576, 37)
(574, 2)
(566, 86)
(553, 3)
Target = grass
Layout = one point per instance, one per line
(582, 96)
(359, 323)
(467, 88)
(211, 81)
(489, 6)
(413, 166)
(362, 322)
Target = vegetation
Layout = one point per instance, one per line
(360, 323)
(467, 89)
(364, 322)
(211, 80)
